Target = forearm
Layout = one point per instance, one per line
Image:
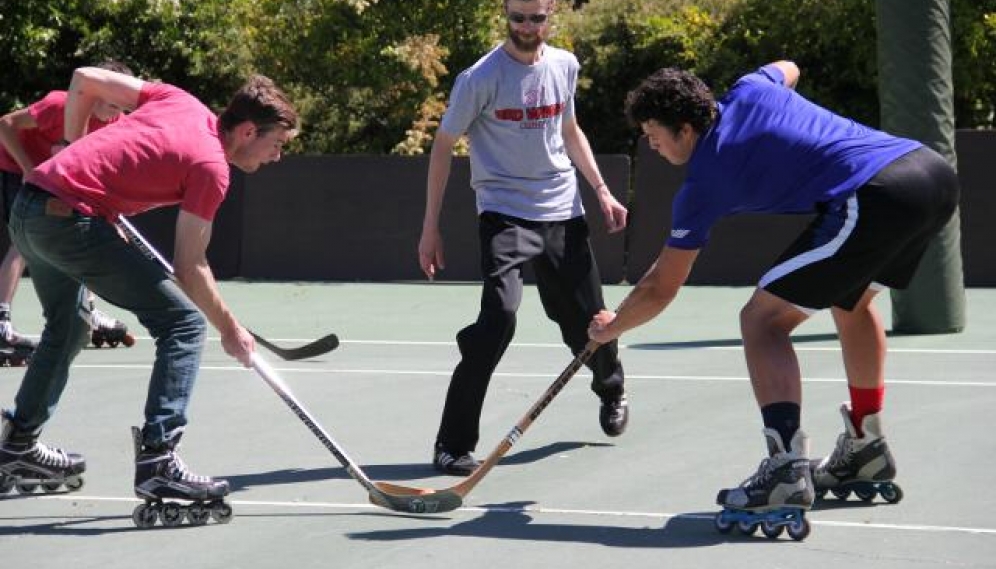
(80, 102)
(10, 141)
(581, 155)
(644, 303)
(440, 161)
(199, 284)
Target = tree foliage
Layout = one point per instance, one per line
(372, 76)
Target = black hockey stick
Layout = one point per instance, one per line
(314, 349)
(310, 350)
(419, 500)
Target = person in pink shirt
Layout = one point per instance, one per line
(169, 150)
(27, 138)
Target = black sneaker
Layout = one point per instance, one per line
(614, 415)
(453, 464)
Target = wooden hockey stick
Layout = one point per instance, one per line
(422, 500)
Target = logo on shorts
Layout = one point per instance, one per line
(680, 233)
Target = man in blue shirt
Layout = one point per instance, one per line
(878, 201)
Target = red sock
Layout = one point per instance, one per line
(865, 402)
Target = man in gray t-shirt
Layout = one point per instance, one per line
(516, 105)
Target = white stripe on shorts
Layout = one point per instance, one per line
(825, 251)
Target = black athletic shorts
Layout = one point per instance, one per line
(10, 183)
(877, 235)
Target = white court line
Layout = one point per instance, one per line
(639, 347)
(552, 511)
(629, 376)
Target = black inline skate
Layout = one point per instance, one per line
(776, 497)
(27, 464)
(160, 475)
(15, 350)
(107, 330)
(862, 464)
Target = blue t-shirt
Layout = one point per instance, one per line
(513, 114)
(771, 150)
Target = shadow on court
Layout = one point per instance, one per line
(67, 526)
(723, 343)
(390, 472)
(513, 521)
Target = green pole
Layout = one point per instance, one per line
(916, 95)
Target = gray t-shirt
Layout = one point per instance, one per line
(513, 114)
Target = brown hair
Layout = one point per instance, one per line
(261, 102)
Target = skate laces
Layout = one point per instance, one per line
(7, 330)
(760, 477)
(50, 456)
(179, 470)
(842, 451)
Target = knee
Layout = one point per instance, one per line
(491, 324)
(757, 319)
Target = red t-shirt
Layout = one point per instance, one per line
(168, 151)
(50, 115)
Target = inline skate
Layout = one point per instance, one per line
(776, 497)
(859, 464)
(162, 477)
(15, 350)
(26, 464)
(104, 329)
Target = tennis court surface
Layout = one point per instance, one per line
(565, 495)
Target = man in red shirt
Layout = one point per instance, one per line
(171, 149)
(27, 137)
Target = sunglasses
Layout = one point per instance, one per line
(517, 18)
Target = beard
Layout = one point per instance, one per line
(523, 44)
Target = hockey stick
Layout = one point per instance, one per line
(383, 498)
(314, 349)
(376, 495)
(417, 500)
(310, 350)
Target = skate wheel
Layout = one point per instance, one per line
(771, 530)
(145, 515)
(747, 528)
(17, 361)
(26, 487)
(865, 494)
(74, 483)
(112, 343)
(198, 514)
(841, 493)
(97, 342)
(52, 486)
(173, 515)
(128, 340)
(5, 485)
(821, 493)
(890, 492)
(799, 528)
(722, 523)
(221, 512)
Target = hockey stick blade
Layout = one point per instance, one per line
(415, 500)
(314, 349)
(402, 501)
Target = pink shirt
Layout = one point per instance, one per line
(168, 151)
(50, 114)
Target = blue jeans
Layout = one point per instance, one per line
(66, 253)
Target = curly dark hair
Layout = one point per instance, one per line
(672, 97)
